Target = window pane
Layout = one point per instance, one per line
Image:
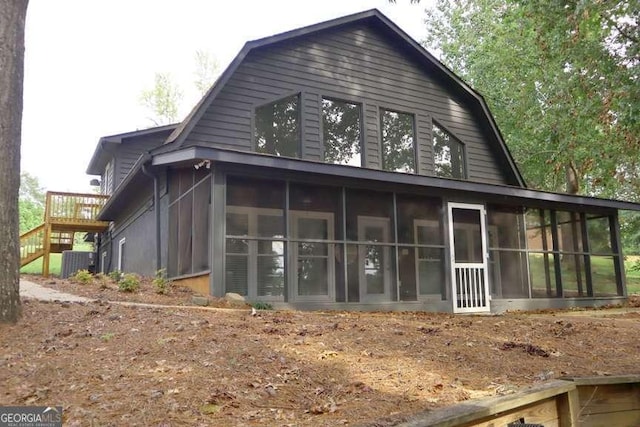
(569, 232)
(341, 132)
(398, 144)
(237, 224)
(539, 236)
(362, 206)
(430, 270)
(599, 235)
(542, 276)
(259, 193)
(236, 274)
(312, 228)
(573, 275)
(419, 220)
(172, 259)
(185, 234)
(237, 246)
(277, 129)
(506, 227)
(508, 271)
(467, 236)
(201, 211)
(270, 226)
(448, 154)
(270, 268)
(604, 276)
(374, 262)
(315, 198)
(312, 276)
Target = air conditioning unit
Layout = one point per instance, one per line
(72, 261)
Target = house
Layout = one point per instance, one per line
(341, 166)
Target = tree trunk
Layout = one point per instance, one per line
(12, 22)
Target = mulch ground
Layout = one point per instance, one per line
(108, 364)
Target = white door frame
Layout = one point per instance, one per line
(331, 288)
(384, 222)
(469, 281)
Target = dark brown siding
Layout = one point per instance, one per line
(353, 63)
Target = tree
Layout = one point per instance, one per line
(31, 202)
(206, 71)
(162, 100)
(12, 17)
(561, 79)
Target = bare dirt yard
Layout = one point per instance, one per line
(109, 364)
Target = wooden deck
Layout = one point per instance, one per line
(65, 215)
(569, 402)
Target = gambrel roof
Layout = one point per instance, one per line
(403, 43)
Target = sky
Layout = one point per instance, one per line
(88, 61)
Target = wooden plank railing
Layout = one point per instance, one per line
(73, 208)
(32, 245)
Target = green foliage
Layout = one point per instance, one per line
(83, 277)
(107, 337)
(129, 282)
(635, 266)
(115, 275)
(206, 70)
(161, 283)
(562, 90)
(261, 305)
(31, 202)
(162, 100)
(103, 280)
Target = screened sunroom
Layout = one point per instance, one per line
(308, 244)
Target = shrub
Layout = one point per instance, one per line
(103, 280)
(129, 282)
(260, 305)
(82, 277)
(116, 275)
(161, 283)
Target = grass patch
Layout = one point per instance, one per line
(633, 276)
(55, 266)
(55, 261)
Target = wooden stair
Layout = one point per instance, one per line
(65, 215)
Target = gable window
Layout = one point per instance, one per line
(398, 142)
(341, 132)
(277, 128)
(448, 154)
(107, 179)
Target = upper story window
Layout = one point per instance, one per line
(448, 154)
(341, 132)
(398, 142)
(107, 179)
(277, 127)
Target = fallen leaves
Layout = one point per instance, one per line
(199, 367)
(530, 349)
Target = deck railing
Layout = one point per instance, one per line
(64, 215)
(32, 244)
(73, 207)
